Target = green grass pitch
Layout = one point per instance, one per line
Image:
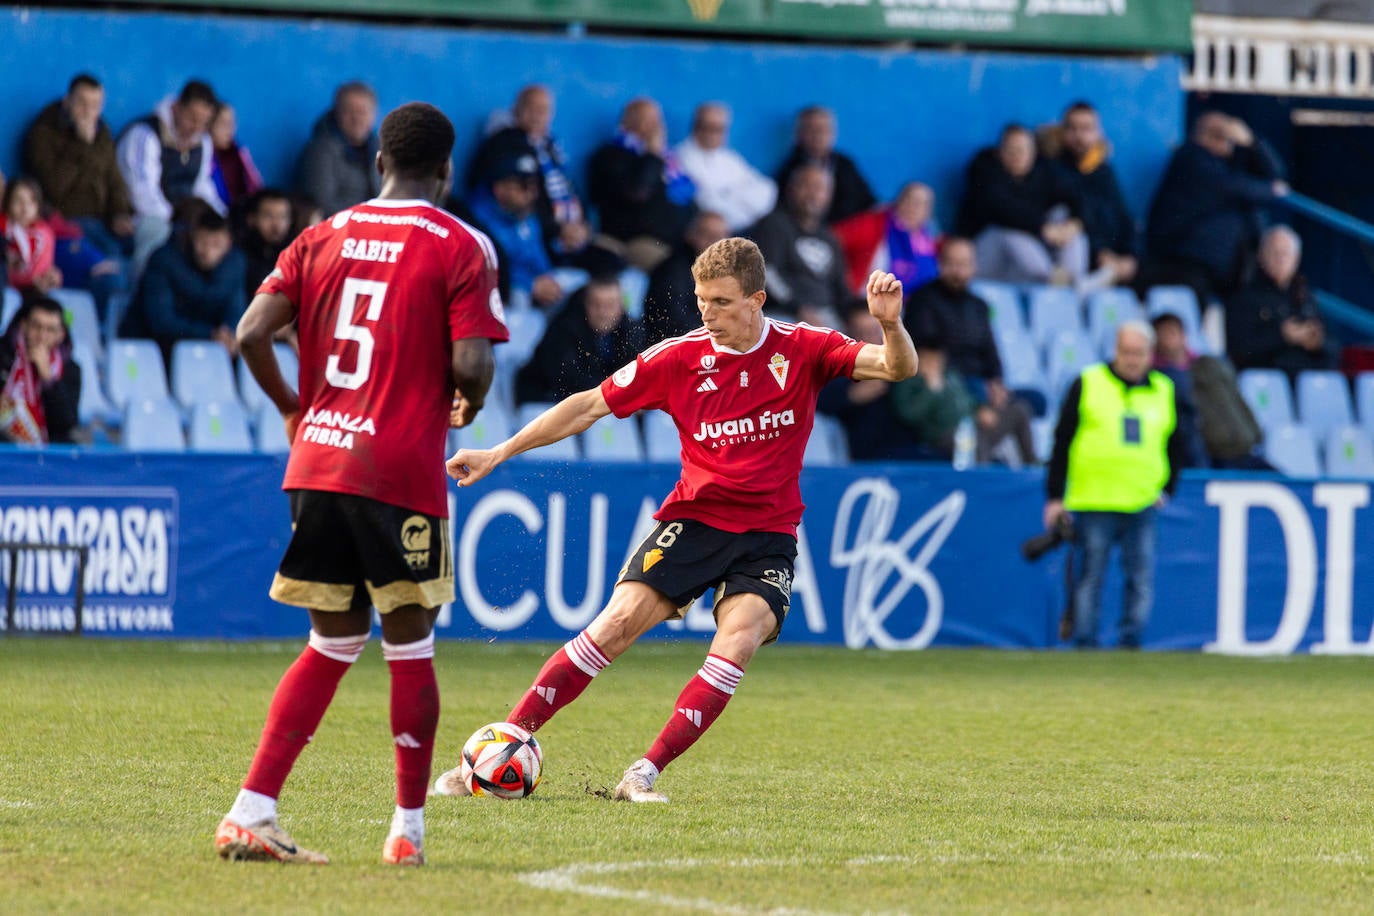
(836, 782)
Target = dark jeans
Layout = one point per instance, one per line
(1094, 535)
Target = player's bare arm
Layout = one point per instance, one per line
(896, 358)
(473, 368)
(269, 313)
(568, 417)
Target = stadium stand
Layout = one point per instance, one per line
(153, 424)
(1269, 396)
(1068, 353)
(613, 439)
(1004, 305)
(249, 391)
(1293, 450)
(133, 371)
(79, 309)
(269, 434)
(219, 426)
(1053, 309)
(202, 373)
(1324, 402)
(661, 442)
(1364, 398)
(1108, 309)
(827, 446)
(563, 450)
(93, 406)
(1349, 453)
(492, 426)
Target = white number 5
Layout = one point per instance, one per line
(345, 329)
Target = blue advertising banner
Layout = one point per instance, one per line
(889, 557)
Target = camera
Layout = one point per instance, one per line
(1035, 547)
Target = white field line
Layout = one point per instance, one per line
(574, 879)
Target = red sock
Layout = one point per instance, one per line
(700, 703)
(414, 716)
(302, 697)
(562, 679)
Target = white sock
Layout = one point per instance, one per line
(252, 808)
(644, 766)
(409, 823)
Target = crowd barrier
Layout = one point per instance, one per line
(890, 557)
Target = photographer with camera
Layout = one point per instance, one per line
(1117, 453)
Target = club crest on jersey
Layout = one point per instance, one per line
(743, 379)
(779, 365)
(625, 374)
(708, 361)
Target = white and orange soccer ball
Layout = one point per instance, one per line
(502, 760)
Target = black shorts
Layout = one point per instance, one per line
(347, 552)
(682, 559)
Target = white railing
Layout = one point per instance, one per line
(1281, 57)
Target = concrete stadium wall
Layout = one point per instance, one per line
(904, 114)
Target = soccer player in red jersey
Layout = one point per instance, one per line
(396, 307)
(742, 390)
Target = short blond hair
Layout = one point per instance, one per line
(733, 257)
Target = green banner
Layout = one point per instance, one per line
(1107, 25)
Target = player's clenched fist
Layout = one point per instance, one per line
(884, 296)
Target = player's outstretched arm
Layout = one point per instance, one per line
(896, 358)
(268, 313)
(568, 417)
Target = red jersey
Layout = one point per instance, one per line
(381, 291)
(743, 418)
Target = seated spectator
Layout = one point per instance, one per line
(864, 408)
(504, 208)
(726, 183)
(1107, 222)
(166, 159)
(1273, 323)
(670, 305)
(806, 273)
(1205, 217)
(41, 381)
(235, 176)
(1174, 358)
(30, 243)
(266, 233)
(644, 197)
(529, 125)
(815, 145)
(590, 338)
(304, 213)
(70, 150)
(949, 315)
(193, 288)
(899, 239)
(933, 402)
(1023, 217)
(338, 167)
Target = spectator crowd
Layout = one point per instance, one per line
(169, 227)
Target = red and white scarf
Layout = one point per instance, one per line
(21, 401)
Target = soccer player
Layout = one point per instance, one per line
(397, 310)
(742, 390)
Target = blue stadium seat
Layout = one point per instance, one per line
(527, 326)
(1293, 450)
(1020, 360)
(1068, 354)
(828, 445)
(1324, 402)
(661, 442)
(1107, 310)
(1349, 453)
(562, 450)
(153, 424)
(201, 373)
(269, 434)
(1181, 301)
(1004, 304)
(492, 426)
(9, 306)
(1269, 396)
(613, 439)
(1054, 309)
(134, 371)
(1042, 435)
(220, 426)
(78, 307)
(1364, 398)
(251, 395)
(92, 406)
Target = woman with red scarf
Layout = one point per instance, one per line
(41, 381)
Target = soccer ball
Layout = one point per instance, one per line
(502, 760)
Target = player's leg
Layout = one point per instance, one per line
(752, 601)
(407, 564)
(317, 572)
(744, 622)
(634, 609)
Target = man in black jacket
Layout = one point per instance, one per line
(670, 305)
(1106, 220)
(815, 145)
(1273, 323)
(589, 339)
(1023, 216)
(806, 267)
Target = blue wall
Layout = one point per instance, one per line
(904, 115)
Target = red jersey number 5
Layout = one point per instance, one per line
(344, 329)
